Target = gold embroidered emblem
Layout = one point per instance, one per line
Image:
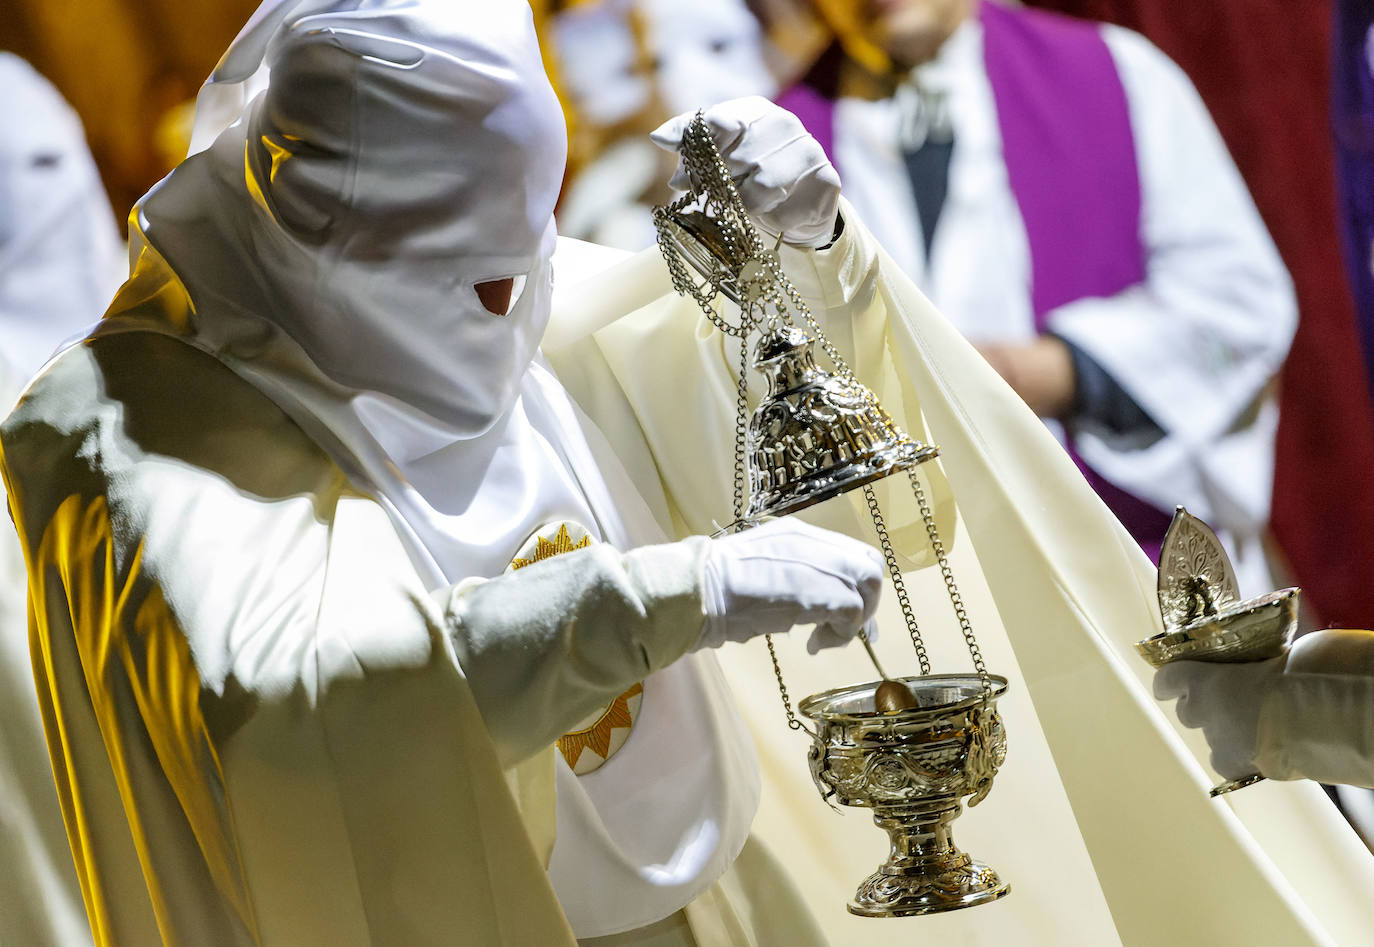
(597, 737)
(544, 549)
(599, 734)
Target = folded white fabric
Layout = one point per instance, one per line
(784, 178)
(786, 573)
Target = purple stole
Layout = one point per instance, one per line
(1070, 156)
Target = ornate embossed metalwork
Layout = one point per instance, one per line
(1195, 575)
(1198, 601)
(987, 750)
(1203, 619)
(826, 445)
(898, 894)
(911, 768)
(818, 433)
(1253, 630)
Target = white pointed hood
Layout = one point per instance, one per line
(402, 153)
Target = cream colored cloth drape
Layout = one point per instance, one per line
(1102, 814)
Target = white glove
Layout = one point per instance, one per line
(768, 579)
(1224, 701)
(784, 178)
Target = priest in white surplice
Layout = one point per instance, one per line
(1058, 189)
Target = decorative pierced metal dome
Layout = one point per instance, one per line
(816, 435)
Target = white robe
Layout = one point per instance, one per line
(1197, 345)
(356, 310)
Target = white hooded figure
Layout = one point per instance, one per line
(261, 502)
(61, 257)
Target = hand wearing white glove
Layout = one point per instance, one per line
(1309, 715)
(785, 573)
(784, 178)
(1224, 701)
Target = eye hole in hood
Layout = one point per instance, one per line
(384, 207)
(499, 296)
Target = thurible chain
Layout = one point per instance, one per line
(792, 722)
(947, 573)
(741, 429)
(894, 572)
(767, 298)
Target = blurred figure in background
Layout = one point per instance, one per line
(61, 256)
(60, 263)
(1059, 191)
(625, 66)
